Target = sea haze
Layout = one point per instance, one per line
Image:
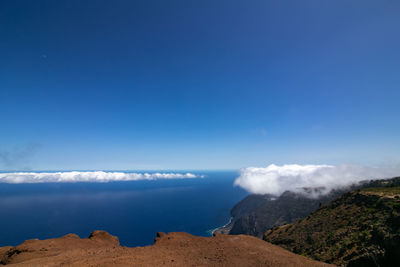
(132, 210)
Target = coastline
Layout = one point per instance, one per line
(223, 229)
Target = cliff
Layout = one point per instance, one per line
(173, 249)
(361, 228)
(255, 214)
(258, 213)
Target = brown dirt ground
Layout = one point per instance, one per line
(173, 249)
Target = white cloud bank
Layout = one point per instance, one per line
(277, 179)
(89, 176)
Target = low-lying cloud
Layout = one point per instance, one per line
(89, 176)
(275, 179)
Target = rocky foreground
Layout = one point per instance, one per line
(173, 249)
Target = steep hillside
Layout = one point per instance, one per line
(266, 212)
(257, 213)
(361, 228)
(173, 249)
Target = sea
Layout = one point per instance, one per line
(132, 210)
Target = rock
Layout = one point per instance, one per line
(71, 236)
(103, 236)
(172, 249)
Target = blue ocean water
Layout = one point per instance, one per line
(134, 211)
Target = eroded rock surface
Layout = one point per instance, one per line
(173, 249)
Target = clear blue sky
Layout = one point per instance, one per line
(198, 84)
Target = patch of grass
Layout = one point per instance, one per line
(393, 204)
(370, 210)
(329, 235)
(383, 190)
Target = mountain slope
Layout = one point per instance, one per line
(255, 214)
(361, 228)
(268, 212)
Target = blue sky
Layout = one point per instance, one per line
(123, 85)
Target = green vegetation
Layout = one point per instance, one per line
(387, 191)
(361, 228)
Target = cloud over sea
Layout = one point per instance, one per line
(275, 179)
(88, 176)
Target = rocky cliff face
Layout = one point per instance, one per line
(257, 213)
(361, 228)
(173, 249)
